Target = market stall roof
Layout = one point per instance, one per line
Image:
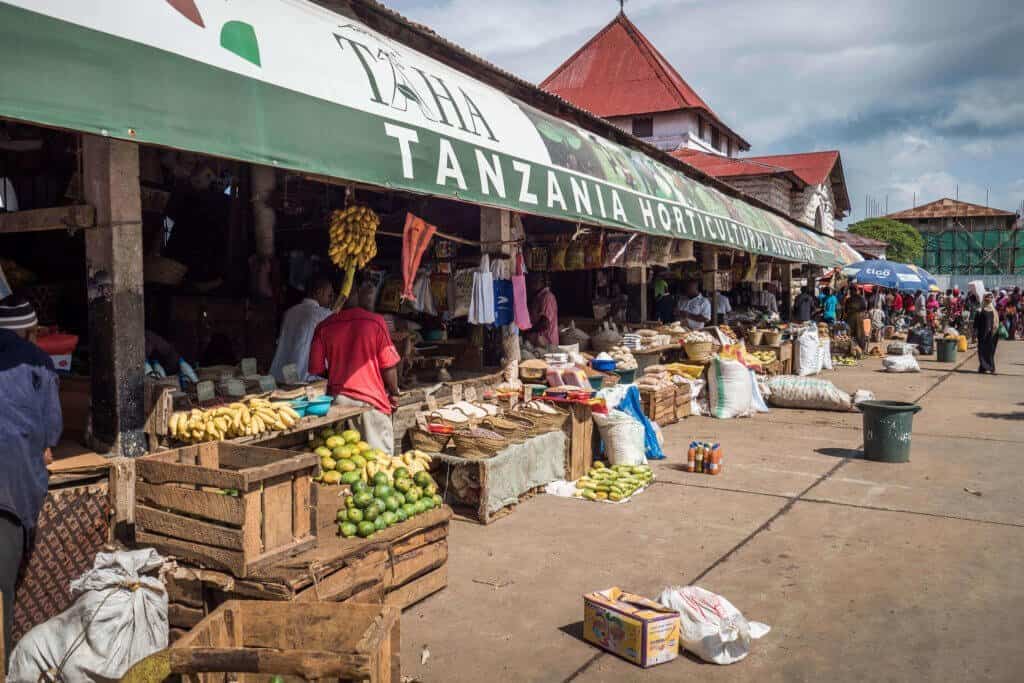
(290, 84)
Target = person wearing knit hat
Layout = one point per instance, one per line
(30, 425)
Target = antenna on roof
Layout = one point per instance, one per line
(622, 6)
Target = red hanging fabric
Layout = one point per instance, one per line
(415, 238)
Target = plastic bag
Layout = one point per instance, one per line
(119, 617)
(808, 393)
(729, 391)
(460, 292)
(481, 304)
(623, 438)
(615, 250)
(900, 364)
(710, 626)
(1003, 334)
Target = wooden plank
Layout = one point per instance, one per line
(122, 496)
(418, 562)
(156, 472)
(302, 510)
(183, 616)
(208, 455)
(74, 217)
(277, 514)
(227, 509)
(184, 589)
(329, 499)
(253, 527)
(296, 463)
(420, 588)
(187, 529)
(220, 558)
(365, 573)
(306, 664)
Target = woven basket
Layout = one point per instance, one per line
(546, 422)
(754, 337)
(477, 447)
(424, 440)
(436, 418)
(514, 427)
(163, 271)
(698, 351)
(772, 338)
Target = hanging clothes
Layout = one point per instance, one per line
(481, 306)
(520, 305)
(415, 238)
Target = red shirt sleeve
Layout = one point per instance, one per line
(317, 353)
(387, 355)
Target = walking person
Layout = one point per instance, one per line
(986, 328)
(30, 425)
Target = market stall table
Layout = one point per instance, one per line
(654, 355)
(783, 352)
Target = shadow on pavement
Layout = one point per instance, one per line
(853, 453)
(575, 630)
(1002, 416)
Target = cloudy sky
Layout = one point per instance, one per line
(920, 96)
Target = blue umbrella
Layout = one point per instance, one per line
(891, 275)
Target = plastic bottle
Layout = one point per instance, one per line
(716, 459)
(700, 458)
(691, 457)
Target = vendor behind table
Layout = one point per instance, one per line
(694, 308)
(543, 311)
(297, 328)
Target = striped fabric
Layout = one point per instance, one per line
(17, 314)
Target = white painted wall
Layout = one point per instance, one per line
(675, 130)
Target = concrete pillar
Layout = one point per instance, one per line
(113, 254)
(495, 231)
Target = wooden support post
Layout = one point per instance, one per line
(643, 294)
(495, 231)
(786, 310)
(709, 267)
(113, 254)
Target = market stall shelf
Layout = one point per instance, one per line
(254, 641)
(783, 353)
(226, 506)
(398, 566)
(484, 490)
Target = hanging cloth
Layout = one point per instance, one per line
(520, 306)
(415, 238)
(481, 306)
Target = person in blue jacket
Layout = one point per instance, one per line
(30, 424)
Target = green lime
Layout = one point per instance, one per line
(381, 478)
(363, 499)
(371, 513)
(348, 529)
(401, 473)
(391, 503)
(389, 517)
(355, 515)
(379, 524)
(409, 509)
(382, 491)
(401, 514)
(366, 529)
(422, 479)
(403, 485)
(437, 501)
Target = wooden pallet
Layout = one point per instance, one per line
(398, 566)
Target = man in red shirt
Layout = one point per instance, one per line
(354, 349)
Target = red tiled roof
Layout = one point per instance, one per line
(949, 208)
(810, 168)
(619, 72)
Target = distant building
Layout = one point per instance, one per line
(619, 75)
(810, 187)
(865, 246)
(967, 239)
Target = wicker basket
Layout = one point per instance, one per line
(546, 422)
(428, 441)
(436, 418)
(698, 351)
(514, 427)
(754, 337)
(161, 270)
(477, 447)
(771, 338)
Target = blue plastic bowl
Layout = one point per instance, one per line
(319, 407)
(300, 407)
(603, 365)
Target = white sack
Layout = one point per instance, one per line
(825, 354)
(623, 438)
(710, 626)
(900, 364)
(756, 397)
(809, 353)
(729, 391)
(809, 393)
(118, 618)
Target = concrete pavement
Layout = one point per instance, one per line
(865, 571)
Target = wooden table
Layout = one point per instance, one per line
(335, 414)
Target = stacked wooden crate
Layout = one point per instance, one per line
(660, 405)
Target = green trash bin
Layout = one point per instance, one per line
(887, 428)
(945, 350)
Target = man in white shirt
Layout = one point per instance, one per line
(695, 309)
(766, 299)
(297, 329)
(724, 307)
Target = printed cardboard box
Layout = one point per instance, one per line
(631, 626)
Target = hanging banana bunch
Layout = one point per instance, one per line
(353, 241)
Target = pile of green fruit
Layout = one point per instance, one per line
(344, 457)
(613, 483)
(375, 506)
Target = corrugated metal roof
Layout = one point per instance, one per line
(949, 208)
(619, 72)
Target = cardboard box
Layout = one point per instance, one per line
(631, 626)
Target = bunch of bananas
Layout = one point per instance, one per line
(251, 418)
(353, 241)
(764, 356)
(413, 461)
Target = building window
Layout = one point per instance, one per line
(643, 127)
(716, 138)
(700, 127)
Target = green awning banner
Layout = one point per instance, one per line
(289, 84)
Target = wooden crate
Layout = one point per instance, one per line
(255, 640)
(660, 406)
(683, 402)
(470, 501)
(181, 508)
(580, 450)
(398, 566)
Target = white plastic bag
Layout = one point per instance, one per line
(119, 617)
(710, 626)
(809, 353)
(904, 363)
(623, 438)
(729, 391)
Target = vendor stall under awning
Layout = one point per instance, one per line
(289, 84)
